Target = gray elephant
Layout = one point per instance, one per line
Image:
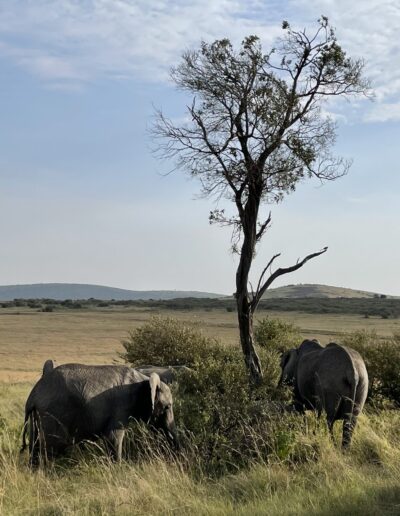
(76, 402)
(168, 374)
(332, 378)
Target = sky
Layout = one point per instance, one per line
(82, 197)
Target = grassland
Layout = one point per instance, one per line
(364, 481)
(29, 337)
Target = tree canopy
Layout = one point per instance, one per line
(256, 128)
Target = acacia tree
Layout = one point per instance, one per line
(256, 129)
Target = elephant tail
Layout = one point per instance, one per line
(25, 429)
(349, 411)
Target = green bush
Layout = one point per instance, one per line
(382, 359)
(276, 335)
(226, 421)
(165, 341)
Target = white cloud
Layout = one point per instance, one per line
(66, 42)
(384, 113)
(118, 37)
(367, 29)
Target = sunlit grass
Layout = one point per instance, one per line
(312, 477)
(28, 337)
(297, 469)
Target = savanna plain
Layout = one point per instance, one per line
(304, 471)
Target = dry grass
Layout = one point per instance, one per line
(365, 481)
(28, 337)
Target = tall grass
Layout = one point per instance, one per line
(241, 453)
(314, 478)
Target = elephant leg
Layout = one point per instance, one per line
(349, 424)
(116, 439)
(331, 405)
(348, 428)
(350, 414)
(330, 428)
(119, 439)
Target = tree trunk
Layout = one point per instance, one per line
(245, 319)
(249, 217)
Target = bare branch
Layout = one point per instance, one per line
(279, 272)
(263, 227)
(269, 264)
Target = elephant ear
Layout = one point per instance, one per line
(285, 356)
(155, 384)
(48, 366)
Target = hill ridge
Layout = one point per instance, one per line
(319, 290)
(74, 291)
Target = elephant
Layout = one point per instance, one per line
(168, 374)
(332, 378)
(48, 366)
(76, 402)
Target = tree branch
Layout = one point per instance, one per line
(256, 294)
(279, 272)
(263, 227)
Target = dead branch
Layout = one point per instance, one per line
(279, 272)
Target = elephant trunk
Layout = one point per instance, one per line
(280, 382)
(172, 438)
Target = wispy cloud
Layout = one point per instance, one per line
(71, 42)
(384, 112)
(118, 37)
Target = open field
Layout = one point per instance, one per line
(28, 337)
(318, 480)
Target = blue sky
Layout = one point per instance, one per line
(82, 198)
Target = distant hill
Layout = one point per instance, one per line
(61, 291)
(74, 291)
(315, 290)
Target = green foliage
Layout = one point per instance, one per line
(277, 335)
(378, 306)
(226, 422)
(225, 418)
(382, 359)
(165, 341)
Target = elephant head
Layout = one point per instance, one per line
(288, 365)
(290, 358)
(162, 415)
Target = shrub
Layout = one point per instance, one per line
(165, 341)
(227, 421)
(276, 335)
(382, 359)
